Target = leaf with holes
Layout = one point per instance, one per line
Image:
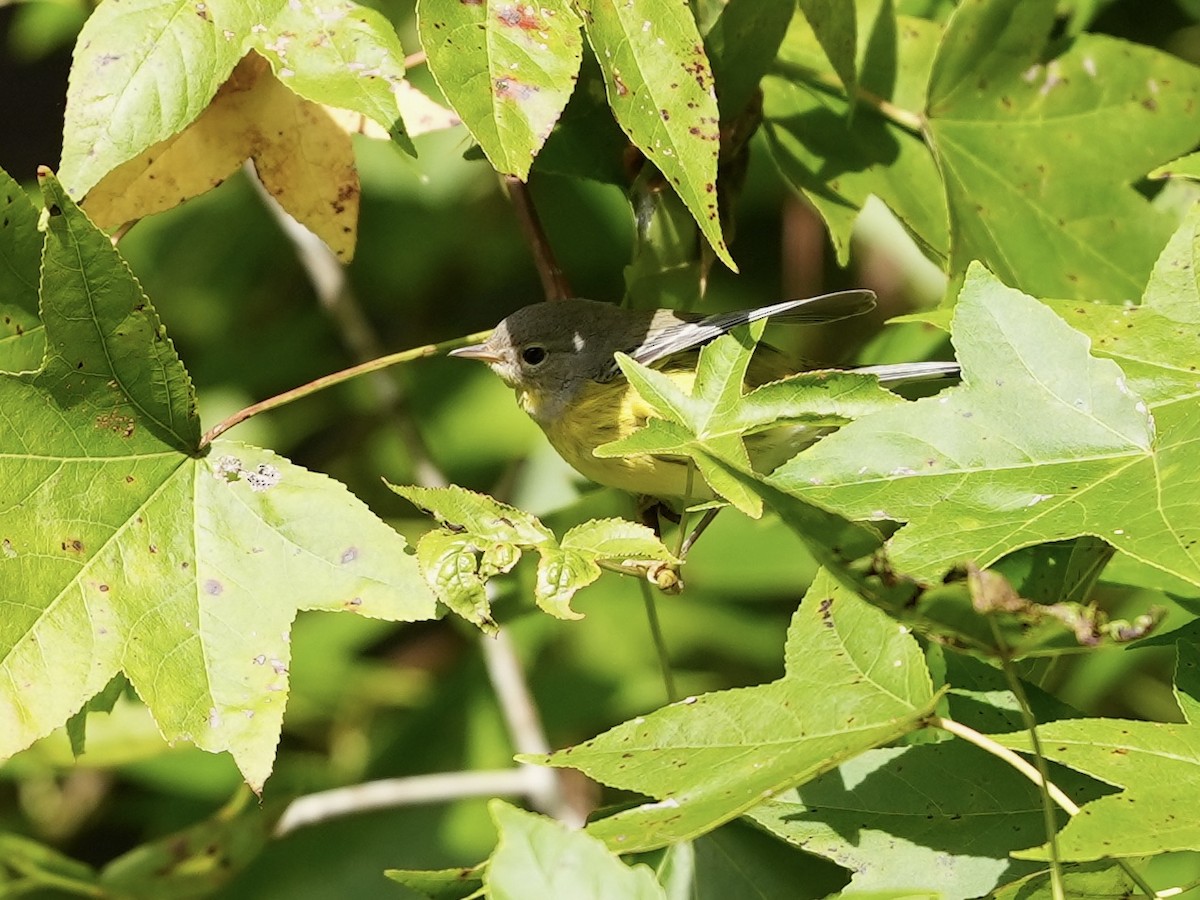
(129, 547)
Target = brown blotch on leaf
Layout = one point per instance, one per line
(826, 611)
(520, 16)
(512, 89)
(73, 545)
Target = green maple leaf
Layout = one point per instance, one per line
(126, 546)
(1038, 151)
(713, 421)
(1156, 763)
(21, 341)
(853, 681)
(1042, 441)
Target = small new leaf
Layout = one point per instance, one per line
(483, 537)
(451, 565)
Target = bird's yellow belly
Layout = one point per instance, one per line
(607, 412)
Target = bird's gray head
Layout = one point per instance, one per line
(548, 351)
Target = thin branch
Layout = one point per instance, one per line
(1057, 889)
(897, 115)
(554, 282)
(1014, 759)
(1052, 790)
(326, 381)
(694, 535)
(525, 728)
(414, 59)
(389, 793)
(660, 644)
(540, 784)
(337, 298)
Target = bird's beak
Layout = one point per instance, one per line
(477, 351)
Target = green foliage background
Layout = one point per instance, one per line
(441, 254)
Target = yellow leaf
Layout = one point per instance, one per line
(302, 154)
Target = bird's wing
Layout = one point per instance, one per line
(903, 373)
(682, 335)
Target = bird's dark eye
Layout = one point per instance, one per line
(534, 354)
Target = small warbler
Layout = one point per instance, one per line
(558, 357)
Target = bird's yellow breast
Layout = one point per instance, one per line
(602, 412)
(605, 412)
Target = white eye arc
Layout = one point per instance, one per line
(534, 355)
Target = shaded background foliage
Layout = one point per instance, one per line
(370, 700)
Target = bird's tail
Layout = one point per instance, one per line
(904, 373)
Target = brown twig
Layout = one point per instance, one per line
(554, 282)
(541, 785)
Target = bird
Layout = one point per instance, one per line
(559, 357)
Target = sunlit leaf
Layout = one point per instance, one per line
(897, 816)
(836, 159)
(143, 70)
(1039, 155)
(506, 68)
(712, 422)
(1157, 765)
(340, 54)
(660, 87)
(128, 548)
(21, 341)
(854, 681)
(1041, 442)
(302, 155)
(540, 859)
